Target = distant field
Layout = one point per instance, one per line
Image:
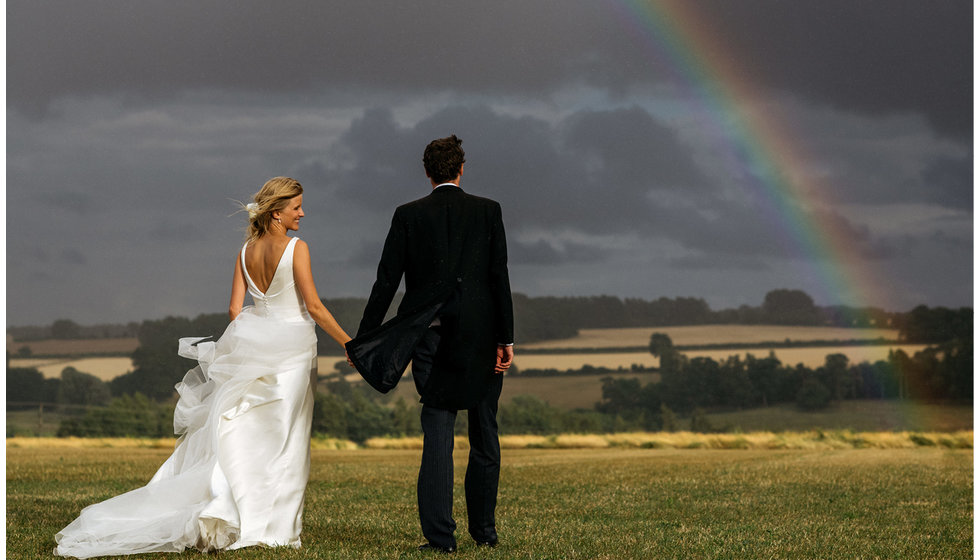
(859, 415)
(711, 334)
(110, 368)
(103, 368)
(576, 361)
(584, 391)
(810, 357)
(107, 368)
(567, 392)
(79, 347)
(601, 504)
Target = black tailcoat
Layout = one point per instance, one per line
(449, 245)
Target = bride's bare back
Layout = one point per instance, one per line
(262, 258)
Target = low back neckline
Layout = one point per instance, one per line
(275, 273)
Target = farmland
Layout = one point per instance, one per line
(810, 357)
(699, 335)
(76, 347)
(107, 368)
(570, 392)
(567, 392)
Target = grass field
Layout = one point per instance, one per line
(568, 392)
(574, 504)
(857, 415)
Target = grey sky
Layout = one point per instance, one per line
(132, 125)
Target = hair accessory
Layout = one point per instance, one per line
(253, 210)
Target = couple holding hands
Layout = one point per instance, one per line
(238, 474)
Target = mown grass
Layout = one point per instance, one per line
(611, 502)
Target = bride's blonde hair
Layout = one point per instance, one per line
(274, 196)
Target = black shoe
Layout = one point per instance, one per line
(488, 544)
(429, 547)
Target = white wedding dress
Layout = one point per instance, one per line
(238, 473)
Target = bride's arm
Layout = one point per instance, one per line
(303, 275)
(237, 291)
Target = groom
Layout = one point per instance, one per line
(455, 323)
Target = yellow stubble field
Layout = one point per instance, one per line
(107, 368)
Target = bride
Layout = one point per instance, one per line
(238, 473)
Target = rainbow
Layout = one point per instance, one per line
(758, 147)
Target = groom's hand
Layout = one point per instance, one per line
(505, 355)
(349, 361)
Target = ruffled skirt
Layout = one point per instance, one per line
(238, 473)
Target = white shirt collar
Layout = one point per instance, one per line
(449, 184)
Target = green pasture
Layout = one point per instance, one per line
(857, 415)
(580, 391)
(607, 503)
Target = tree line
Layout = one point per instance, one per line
(549, 317)
(943, 371)
(690, 386)
(157, 367)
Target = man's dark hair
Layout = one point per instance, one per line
(443, 159)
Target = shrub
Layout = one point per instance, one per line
(813, 395)
(126, 416)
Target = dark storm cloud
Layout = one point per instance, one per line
(878, 178)
(377, 162)
(71, 201)
(171, 231)
(618, 148)
(876, 57)
(73, 256)
(155, 48)
(597, 171)
(544, 253)
(718, 263)
(736, 231)
(949, 181)
(131, 127)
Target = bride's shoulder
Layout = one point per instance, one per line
(300, 247)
